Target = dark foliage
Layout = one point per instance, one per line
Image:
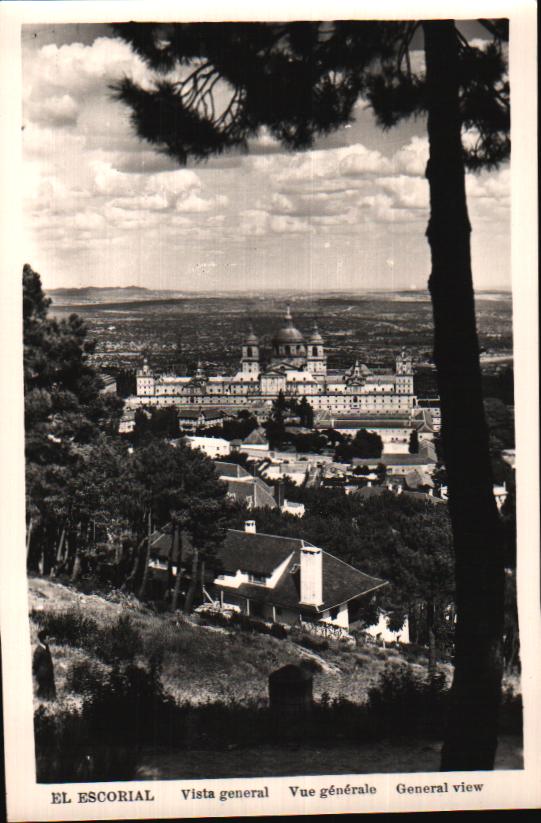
(299, 80)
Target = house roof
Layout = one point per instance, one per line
(371, 423)
(224, 469)
(262, 553)
(244, 488)
(206, 414)
(257, 437)
(404, 459)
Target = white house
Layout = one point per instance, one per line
(211, 446)
(281, 579)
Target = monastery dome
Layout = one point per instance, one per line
(251, 338)
(315, 337)
(288, 333)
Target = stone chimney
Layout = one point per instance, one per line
(250, 527)
(311, 576)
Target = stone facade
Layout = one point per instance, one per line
(297, 366)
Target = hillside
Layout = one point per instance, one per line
(203, 662)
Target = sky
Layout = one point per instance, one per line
(103, 208)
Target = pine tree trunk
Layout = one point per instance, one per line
(178, 578)
(136, 562)
(190, 594)
(471, 736)
(144, 581)
(430, 611)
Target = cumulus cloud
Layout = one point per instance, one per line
(412, 158)
(253, 222)
(55, 111)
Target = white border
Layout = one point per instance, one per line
(502, 789)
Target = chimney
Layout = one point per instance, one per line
(431, 492)
(249, 527)
(399, 489)
(311, 576)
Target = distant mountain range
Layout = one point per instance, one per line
(106, 294)
(97, 295)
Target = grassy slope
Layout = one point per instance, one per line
(206, 663)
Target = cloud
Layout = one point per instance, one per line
(253, 222)
(285, 224)
(407, 192)
(412, 158)
(84, 70)
(56, 111)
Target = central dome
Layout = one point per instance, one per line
(288, 333)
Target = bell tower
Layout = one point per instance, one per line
(404, 373)
(316, 360)
(250, 354)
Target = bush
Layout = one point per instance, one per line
(510, 716)
(278, 631)
(84, 677)
(121, 641)
(312, 642)
(68, 751)
(69, 627)
(404, 702)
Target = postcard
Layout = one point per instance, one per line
(270, 487)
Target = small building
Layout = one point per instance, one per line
(246, 488)
(211, 446)
(109, 384)
(393, 429)
(192, 419)
(256, 441)
(402, 464)
(127, 422)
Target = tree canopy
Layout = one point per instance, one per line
(216, 85)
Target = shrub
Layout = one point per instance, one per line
(278, 631)
(312, 642)
(67, 750)
(121, 641)
(311, 665)
(406, 702)
(69, 627)
(84, 676)
(510, 716)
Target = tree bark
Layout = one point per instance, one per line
(144, 581)
(430, 612)
(190, 594)
(180, 569)
(136, 562)
(471, 736)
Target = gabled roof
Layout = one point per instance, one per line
(244, 488)
(257, 437)
(224, 469)
(262, 553)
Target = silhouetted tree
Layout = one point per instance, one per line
(413, 447)
(300, 80)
